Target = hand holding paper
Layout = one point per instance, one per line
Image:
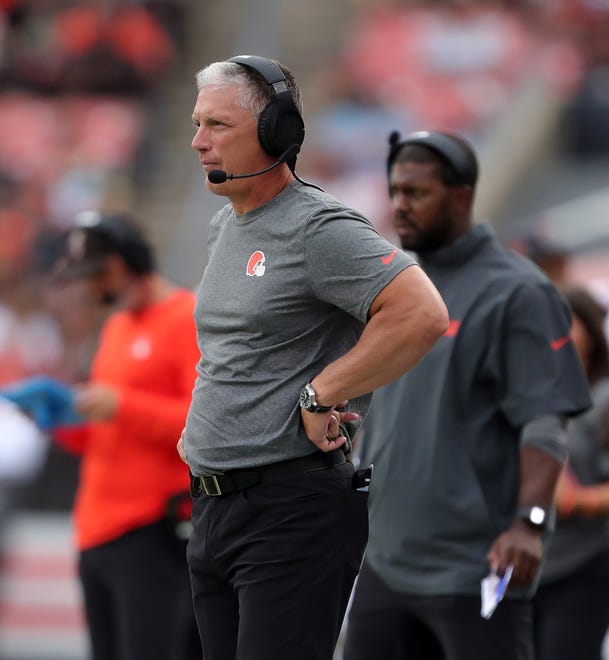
(49, 402)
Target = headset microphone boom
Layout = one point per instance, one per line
(220, 176)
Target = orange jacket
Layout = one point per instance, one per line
(130, 465)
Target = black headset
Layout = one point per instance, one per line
(454, 151)
(280, 124)
(119, 233)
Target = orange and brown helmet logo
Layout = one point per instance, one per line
(256, 264)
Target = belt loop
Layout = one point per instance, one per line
(195, 485)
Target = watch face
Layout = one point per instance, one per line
(306, 398)
(537, 515)
(534, 515)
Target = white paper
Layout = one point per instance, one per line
(492, 590)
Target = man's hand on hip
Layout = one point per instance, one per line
(323, 429)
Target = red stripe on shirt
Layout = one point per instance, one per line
(557, 344)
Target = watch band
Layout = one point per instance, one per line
(535, 516)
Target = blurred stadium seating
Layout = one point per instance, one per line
(40, 602)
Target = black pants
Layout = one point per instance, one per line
(571, 615)
(137, 598)
(392, 625)
(272, 566)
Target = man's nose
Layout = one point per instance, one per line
(200, 141)
(400, 201)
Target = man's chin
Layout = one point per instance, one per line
(408, 242)
(217, 188)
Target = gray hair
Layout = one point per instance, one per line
(254, 93)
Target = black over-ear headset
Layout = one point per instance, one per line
(280, 125)
(455, 151)
(119, 233)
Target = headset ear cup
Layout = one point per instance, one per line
(266, 124)
(279, 127)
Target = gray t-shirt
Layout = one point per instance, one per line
(444, 438)
(286, 291)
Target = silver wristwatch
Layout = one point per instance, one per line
(535, 516)
(308, 400)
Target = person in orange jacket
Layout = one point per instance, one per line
(132, 566)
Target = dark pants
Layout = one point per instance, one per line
(137, 598)
(272, 566)
(392, 625)
(571, 615)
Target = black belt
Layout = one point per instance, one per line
(223, 483)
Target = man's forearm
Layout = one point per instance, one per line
(539, 472)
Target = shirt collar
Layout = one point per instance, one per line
(462, 249)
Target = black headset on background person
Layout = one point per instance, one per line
(453, 150)
(281, 130)
(115, 233)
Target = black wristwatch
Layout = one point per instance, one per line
(308, 400)
(535, 516)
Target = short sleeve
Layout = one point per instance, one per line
(542, 371)
(348, 262)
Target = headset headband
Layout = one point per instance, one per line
(459, 155)
(265, 67)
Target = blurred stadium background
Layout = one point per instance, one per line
(95, 105)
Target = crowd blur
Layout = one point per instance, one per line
(454, 65)
(78, 82)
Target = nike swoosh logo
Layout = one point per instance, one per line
(389, 258)
(557, 344)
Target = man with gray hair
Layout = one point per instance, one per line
(302, 311)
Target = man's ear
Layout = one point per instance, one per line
(462, 198)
